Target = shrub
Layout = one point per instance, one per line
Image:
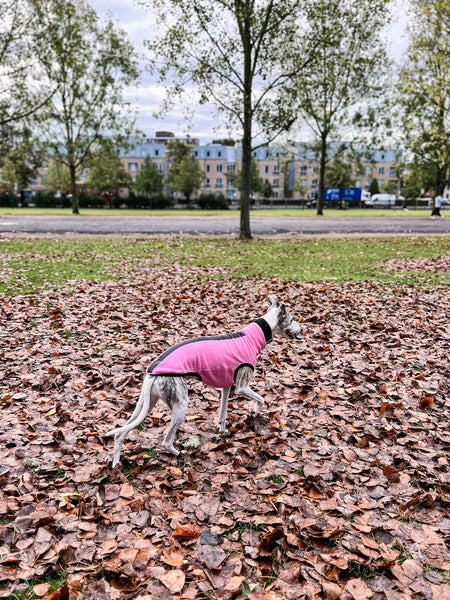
(46, 200)
(156, 201)
(162, 201)
(213, 201)
(137, 201)
(7, 199)
(87, 200)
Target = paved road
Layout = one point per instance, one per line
(198, 225)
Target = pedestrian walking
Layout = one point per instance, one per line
(437, 207)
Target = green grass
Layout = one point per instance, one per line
(56, 580)
(27, 265)
(445, 574)
(277, 479)
(264, 212)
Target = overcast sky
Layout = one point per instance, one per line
(137, 23)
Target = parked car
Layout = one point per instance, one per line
(377, 200)
(426, 201)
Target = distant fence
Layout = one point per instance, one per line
(412, 203)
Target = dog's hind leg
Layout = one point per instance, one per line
(174, 392)
(244, 377)
(147, 401)
(138, 407)
(225, 394)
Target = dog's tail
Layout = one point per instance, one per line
(142, 409)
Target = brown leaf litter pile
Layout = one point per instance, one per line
(340, 489)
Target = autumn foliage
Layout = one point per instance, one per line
(340, 489)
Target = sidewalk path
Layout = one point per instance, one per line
(198, 225)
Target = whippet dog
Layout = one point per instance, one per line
(223, 362)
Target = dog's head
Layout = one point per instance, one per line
(284, 321)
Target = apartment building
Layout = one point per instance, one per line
(273, 167)
(134, 159)
(381, 165)
(214, 160)
(293, 172)
(304, 173)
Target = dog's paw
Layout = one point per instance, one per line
(170, 449)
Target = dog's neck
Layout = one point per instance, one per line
(265, 328)
(271, 318)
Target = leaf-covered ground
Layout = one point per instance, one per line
(341, 489)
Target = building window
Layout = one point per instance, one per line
(196, 153)
(303, 171)
(380, 170)
(276, 183)
(219, 154)
(207, 183)
(231, 168)
(392, 172)
(159, 167)
(315, 170)
(368, 171)
(219, 182)
(219, 168)
(208, 153)
(275, 195)
(314, 183)
(266, 169)
(156, 152)
(208, 168)
(132, 167)
(276, 170)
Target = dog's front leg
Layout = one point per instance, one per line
(225, 394)
(243, 379)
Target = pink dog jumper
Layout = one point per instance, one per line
(215, 360)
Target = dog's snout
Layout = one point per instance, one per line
(294, 330)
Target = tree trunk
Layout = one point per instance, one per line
(244, 231)
(246, 180)
(440, 181)
(323, 160)
(73, 185)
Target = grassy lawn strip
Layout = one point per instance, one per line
(263, 212)
(27, 265)
(54, 581)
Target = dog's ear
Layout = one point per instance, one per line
(273, 301)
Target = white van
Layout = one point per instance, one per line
(381, 200)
